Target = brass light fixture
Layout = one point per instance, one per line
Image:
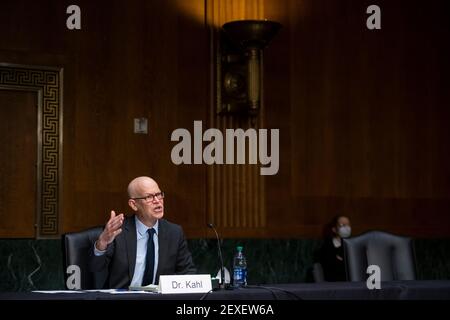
(239, 68)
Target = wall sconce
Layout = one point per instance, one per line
(239, 64)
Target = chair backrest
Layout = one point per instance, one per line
(392, 253)
(76, 247)
(318, 272)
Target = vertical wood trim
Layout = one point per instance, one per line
(235, 193)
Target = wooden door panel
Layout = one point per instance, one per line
(18, 158)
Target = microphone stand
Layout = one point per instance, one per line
(222, 269)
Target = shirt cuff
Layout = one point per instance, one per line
(97, 252)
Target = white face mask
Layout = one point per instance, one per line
(344, 231)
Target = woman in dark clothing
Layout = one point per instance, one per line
(332, 252)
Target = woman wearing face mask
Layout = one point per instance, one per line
(332, 252)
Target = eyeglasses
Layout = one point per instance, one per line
(150, 197)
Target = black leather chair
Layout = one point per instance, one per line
(392, 253)
(76, 247)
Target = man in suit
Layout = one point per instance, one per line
(136, 250)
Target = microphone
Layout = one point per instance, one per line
(222, 270)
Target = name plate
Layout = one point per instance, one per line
(186, 283)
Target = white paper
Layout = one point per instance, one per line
(57, 291)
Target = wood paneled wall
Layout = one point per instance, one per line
(130, 59)
(363, 115)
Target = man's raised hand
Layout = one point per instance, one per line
(112, 229)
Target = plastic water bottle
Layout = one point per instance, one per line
(239, 269)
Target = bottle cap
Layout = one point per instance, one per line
(239, 248)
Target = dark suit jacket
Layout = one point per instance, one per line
(333, 268)
(120, 257)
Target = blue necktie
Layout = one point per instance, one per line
(149, 259)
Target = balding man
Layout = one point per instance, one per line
(136, 250)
